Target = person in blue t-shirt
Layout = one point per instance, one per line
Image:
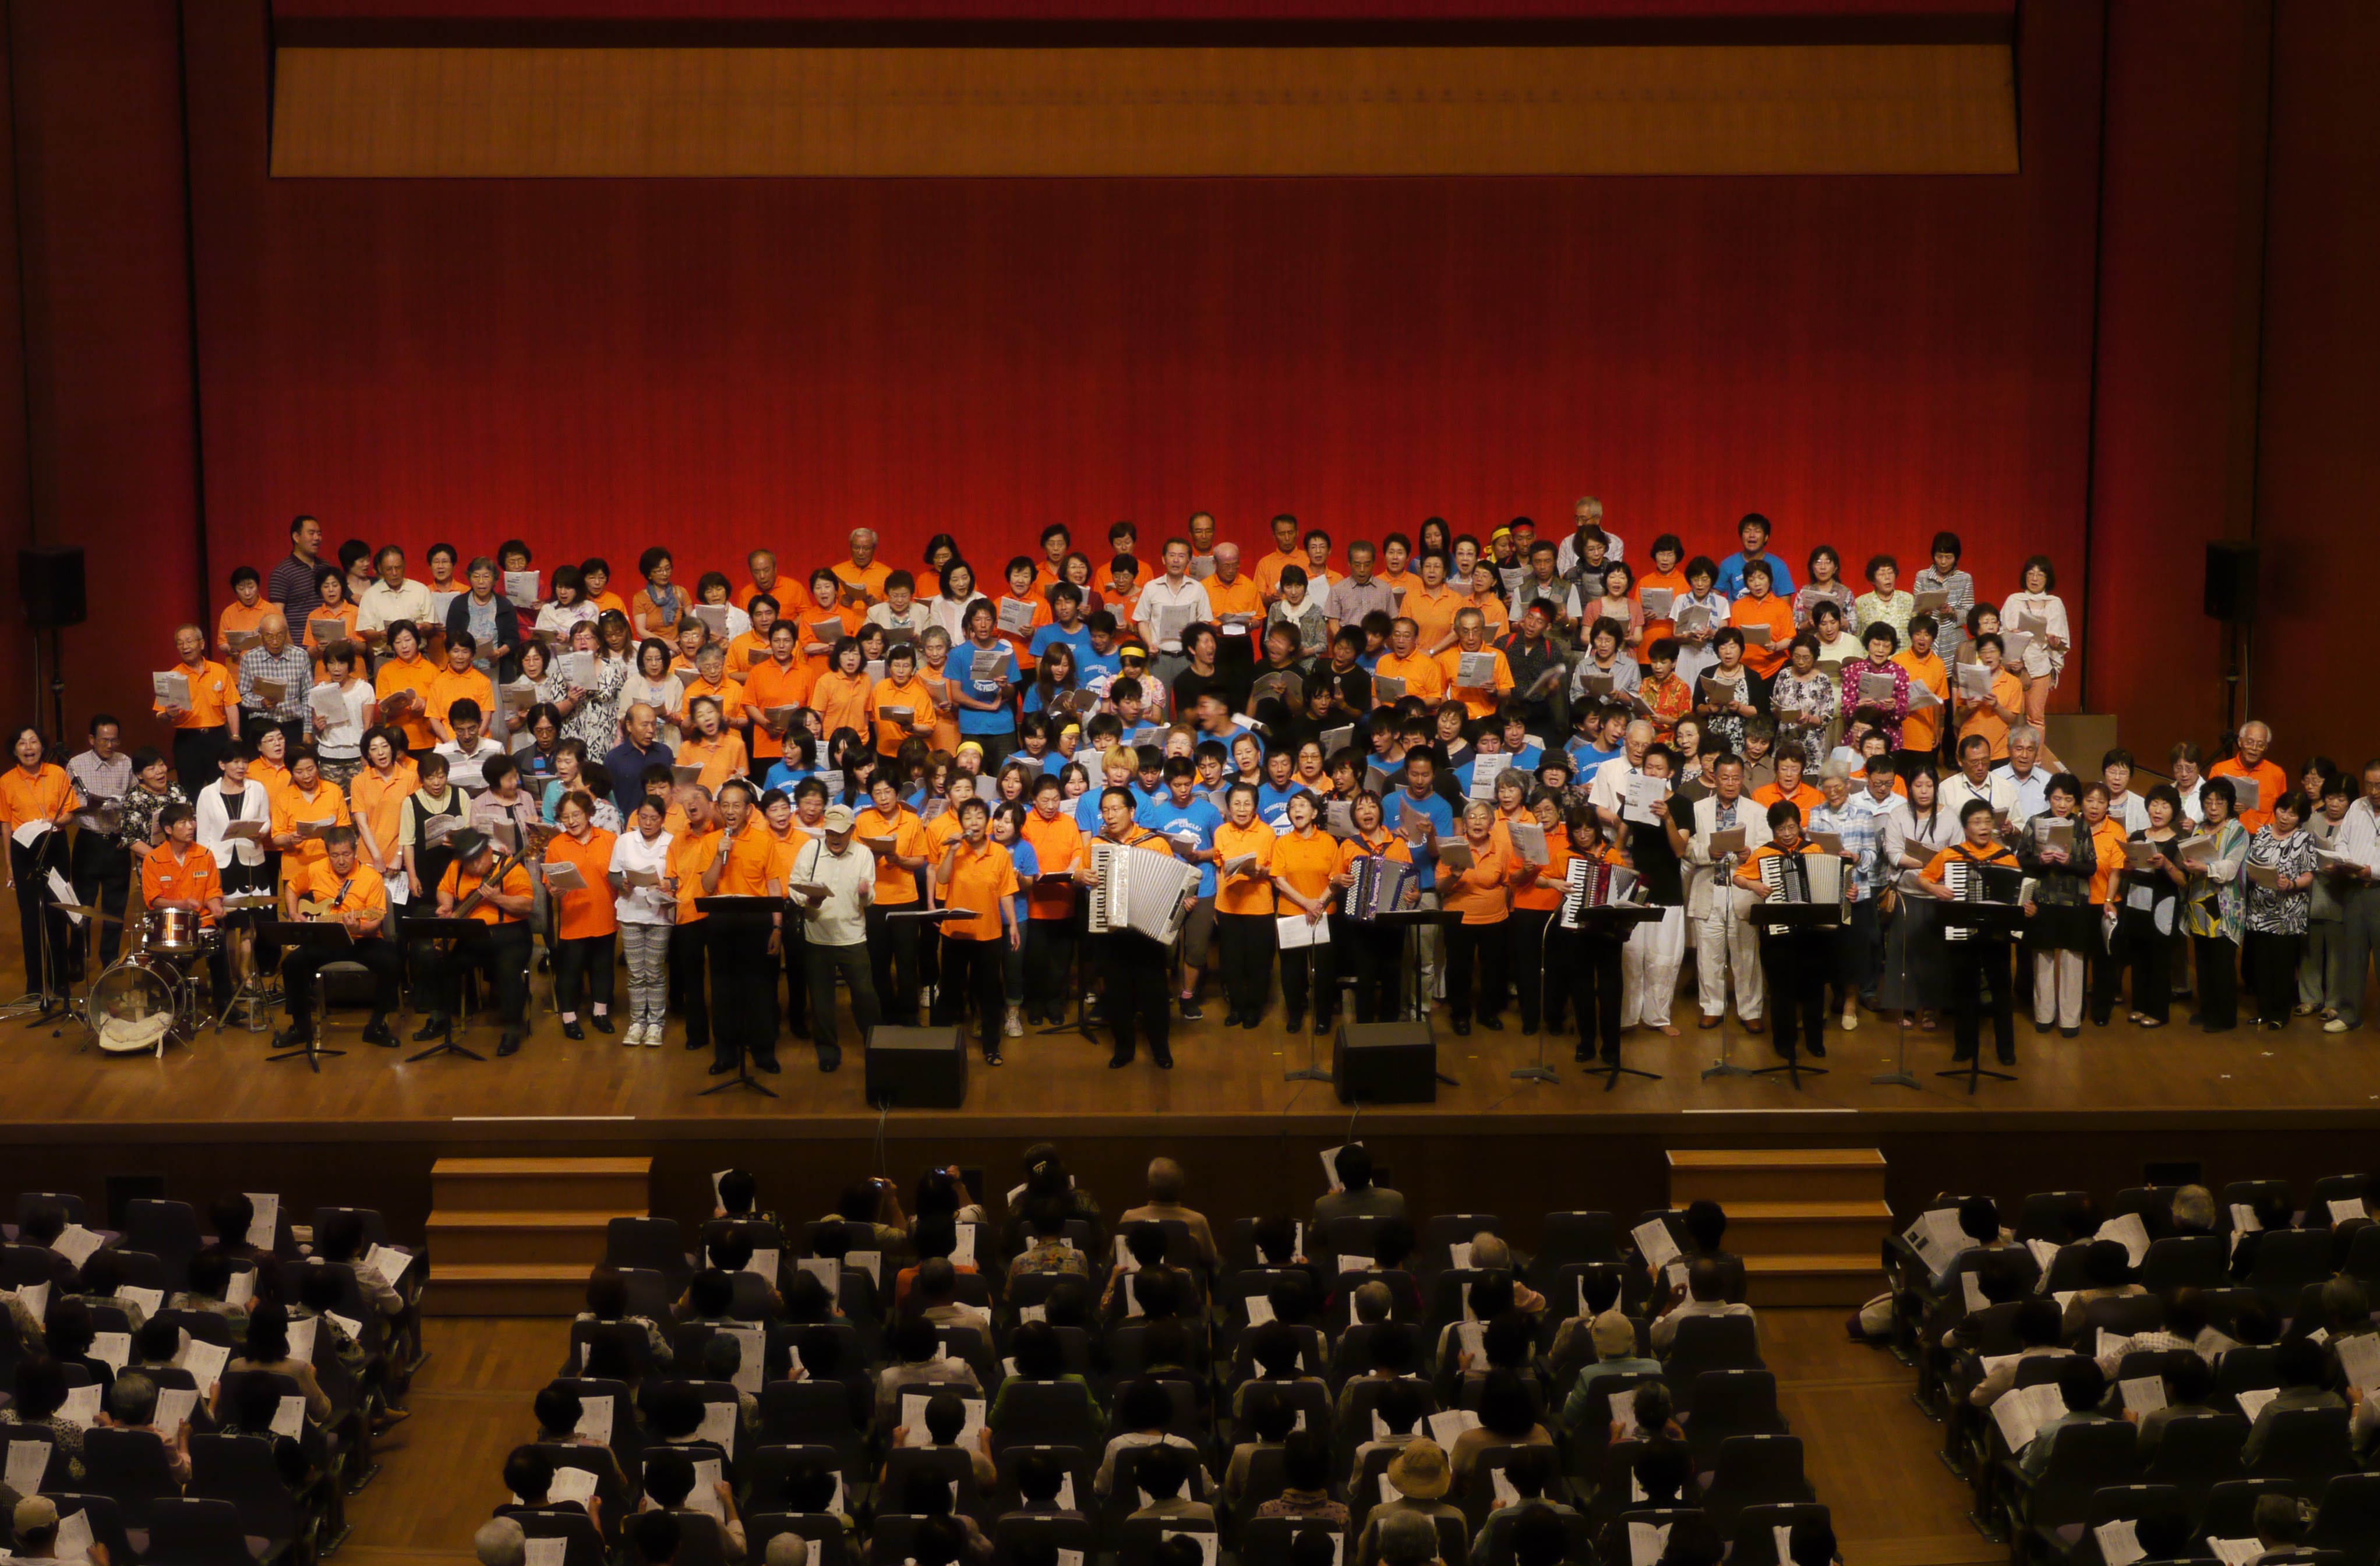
(1280, 787)
(1418, 797)
(1066, 624)
(1187, 819)
(1099, 662)
(986, 705)
(1754, 532)
(799, 761)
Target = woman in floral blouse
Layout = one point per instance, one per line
(1884, 603)
(2215, 913)
(1802, 701)
(2282, 849)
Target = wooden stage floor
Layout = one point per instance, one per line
(1225, 1079)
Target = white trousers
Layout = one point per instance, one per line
(1648, 969)
(2058, 988)
(1721, 944)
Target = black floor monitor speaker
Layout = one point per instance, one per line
(2232, 582)
(1385, 1063)
(917, 1068)
(50, 581)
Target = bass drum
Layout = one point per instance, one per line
(138, 1002)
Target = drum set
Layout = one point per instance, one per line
(149, 997)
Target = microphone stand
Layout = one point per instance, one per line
(1724, 1066)
(1542, 1072)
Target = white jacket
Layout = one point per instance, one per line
(1704, 875)
(256, 805)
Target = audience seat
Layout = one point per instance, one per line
(1266, 1541)
(107, 1526)
(582, 1545)
(200, 1531)
(1755, 1471)
(1729, 1403)
(2196, 1261)
(1708, 1342)
(1753, 1540)
(2347, 1519)
(1008, 1534)
(169, 1231)
(653, 1243)
(2305, 1447)
(131, 1468)
(2197, 1453)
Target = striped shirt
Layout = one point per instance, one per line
(292, 668)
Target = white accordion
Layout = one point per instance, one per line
(1593, 884)
(1137, 890)
(1803, 877)
(1999, 884)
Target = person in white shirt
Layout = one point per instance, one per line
(2358, 846)
(393, 599)
(1975, 780)
(1587, 511)
(1607, 788)
(2045, 654)
(469, 750)
(645, 912)
(1725, 942)
(1704, 1283)
(840, 879)
(1174, 592)
(2026, 777)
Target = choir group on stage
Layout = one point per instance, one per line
(1434, 772)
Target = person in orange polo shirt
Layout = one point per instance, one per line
(1796, 959)
(711, 678)
(1992, 714)
(709, 746)
(977, 875)
(773, 689)
(342, 885)
(1759, 608)
(763, 578)
(243, 614)
(2251, 765)
(1432, 605)
(1237, 605)
(1287, 550)
(205, 726)
(693, 825)
(586, 927)
(1132, 966)
(1406, 662)
(840, 696)
(863, 572)
(1482, 895)
(457, 682)
(901, 705)
(891, 832)
(1788, 785)
(1920, 731)
(1058, 844)
(38, 789)
(1471, 640)
(1244, 905)
(499, 903)
(1304, 861)
(307, 800)
(748, 650)
(743, 947)
(181, 872)
(401, 688)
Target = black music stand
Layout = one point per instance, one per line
(325, 933)
(451, 931)
(1411, 921)
(1622, 919)
(1792, 916)
(1982, 921)
(737, 911)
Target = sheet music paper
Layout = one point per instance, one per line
(289, 1419)
(173, 1406)
(112, 1348)
(720, 1421)
(704, 1497)
(595, 1416)
(1444, 1427)
(28, 1460)
(1296, 931)
(2252, 1403)
(2129, 1230)
(827, 1271)
(1655, 1243)
(2142, 1394)
(545, 1551)
(389, 1262)
(2236, 1553)
(1647, 1541)
(76, 1244)
(2119, 1545)
(73, 1541)
(1331, 1165)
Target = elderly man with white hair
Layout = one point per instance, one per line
(2251, 770)
(1607, 787)
(499, 1542)
(863, 573)
(2027, 773)
(1586, 512)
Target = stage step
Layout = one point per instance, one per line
(492, 1238)
(516, 1236)
(1798, 1228)
(605, 1185)
(1776, 1174)
(1809, 1222)
(507, 1289)
(1844, 1281)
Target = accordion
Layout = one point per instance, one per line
(1380, 887)
(1592, 884)
(1137, 890)
(1803, 877)
(2001, 885)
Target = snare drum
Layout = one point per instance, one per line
(173, 930)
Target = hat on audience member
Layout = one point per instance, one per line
(1420, 1471)
(839, 817)
(1613, 1335)
(35, 1511)
(1407, 1538)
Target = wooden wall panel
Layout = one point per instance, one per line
(489, 112)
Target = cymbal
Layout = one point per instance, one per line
(89, 912)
